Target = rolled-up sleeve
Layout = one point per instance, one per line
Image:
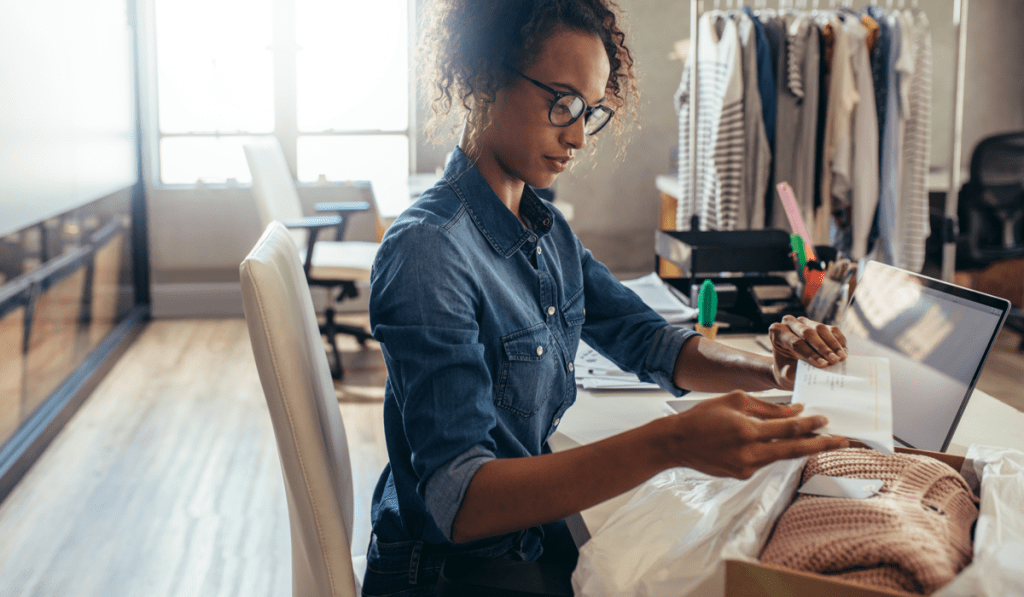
(622, 327)
(422, 314)
(446, 488)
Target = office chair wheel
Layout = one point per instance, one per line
(334, 363)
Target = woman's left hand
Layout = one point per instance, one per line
(794, 338)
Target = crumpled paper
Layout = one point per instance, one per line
(997, 569)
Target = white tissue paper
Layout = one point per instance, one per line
(674, 535)
(998, 566)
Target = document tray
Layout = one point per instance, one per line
(712, 252)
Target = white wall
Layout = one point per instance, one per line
(67, 113)
(994, 87)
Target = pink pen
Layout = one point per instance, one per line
(795, 221)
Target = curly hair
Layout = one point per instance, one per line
(467, 45)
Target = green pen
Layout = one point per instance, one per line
(797, 243)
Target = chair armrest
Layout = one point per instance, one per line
(314, 224)
(343, 206)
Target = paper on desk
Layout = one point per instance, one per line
(653, 291)
(684, 404)
(597, 416)
(854, 394)
(615, 383)
(595, 372)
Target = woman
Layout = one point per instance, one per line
(481, 293)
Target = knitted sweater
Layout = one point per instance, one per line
(914, 535)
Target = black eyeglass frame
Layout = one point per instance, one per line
(585, 113)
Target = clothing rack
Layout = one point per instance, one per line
(950, 227)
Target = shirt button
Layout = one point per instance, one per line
(551, 310)
(556, 422)
(533, 239)
(538, 250)
(571, 367)
(540, 350)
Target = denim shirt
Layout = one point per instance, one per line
(479, 318)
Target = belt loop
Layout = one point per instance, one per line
(414, 562)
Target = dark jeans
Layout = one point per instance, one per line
(411, 568)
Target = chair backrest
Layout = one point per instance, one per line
(992, 202)
(304, 411)
(272, 185)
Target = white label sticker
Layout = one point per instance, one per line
(841, 487)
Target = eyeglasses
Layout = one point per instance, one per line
(568, 107)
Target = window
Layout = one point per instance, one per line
(330, 78)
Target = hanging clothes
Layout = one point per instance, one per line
(836, 103)
(765, 77)
(757, 151)
(879, 53)
(891, 118)
(797, 118)
(842, 97)
(916, 146)
(720, 142)
(855, 169)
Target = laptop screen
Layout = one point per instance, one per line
(936, 337)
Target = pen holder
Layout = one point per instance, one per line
(812, 282)
(707, 332)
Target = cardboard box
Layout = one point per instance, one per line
(747, 579)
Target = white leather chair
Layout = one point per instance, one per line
(307, 423)
(333, 264)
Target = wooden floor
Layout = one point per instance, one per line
(167, 481)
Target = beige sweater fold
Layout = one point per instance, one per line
(914, 535)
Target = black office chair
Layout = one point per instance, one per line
(991, 210)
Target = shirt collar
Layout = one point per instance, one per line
(498, 224)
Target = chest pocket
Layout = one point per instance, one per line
(574, 315)
(529, 370)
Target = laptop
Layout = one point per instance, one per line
(936, 336)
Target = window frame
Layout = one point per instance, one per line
(284, 48)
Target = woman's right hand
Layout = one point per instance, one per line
(736, 434)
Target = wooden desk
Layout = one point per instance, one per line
(595, 415)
